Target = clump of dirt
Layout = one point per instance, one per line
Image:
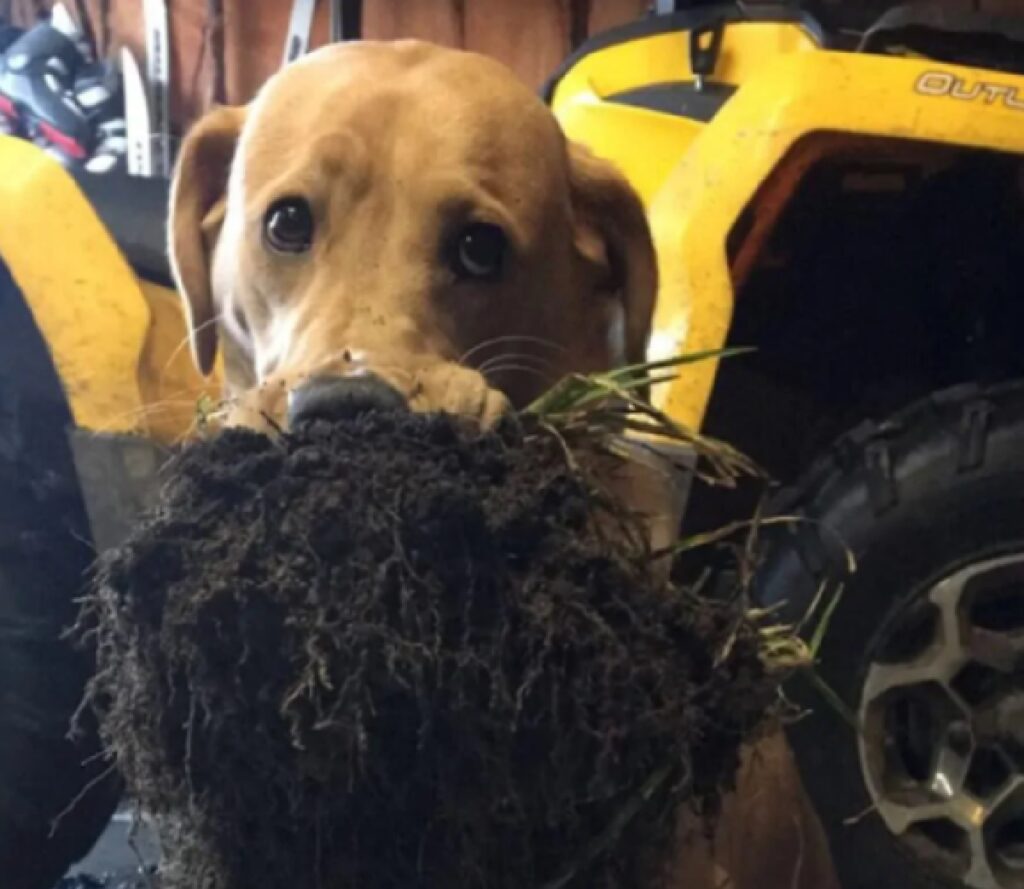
(392, 654)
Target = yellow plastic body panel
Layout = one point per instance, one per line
(646, 144)
(665, 57)
(716, 174)
(798, 96)
(112, 348)
(81, 292)
(615, 132)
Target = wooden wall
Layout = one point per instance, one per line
(532, 36)
(247, 36)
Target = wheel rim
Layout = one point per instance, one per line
(942, 717)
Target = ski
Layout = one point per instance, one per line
(299, 27)
(158, 79)
(136, 115)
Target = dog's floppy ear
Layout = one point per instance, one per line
(612, 234)
(196, 215)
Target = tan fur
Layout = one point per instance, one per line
(395, 146)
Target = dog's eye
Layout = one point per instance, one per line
(479, 251)
(288, 226)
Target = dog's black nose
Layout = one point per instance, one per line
(342, 398)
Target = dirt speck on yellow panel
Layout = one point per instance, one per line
(86, 302)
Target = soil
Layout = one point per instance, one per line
(393, 654)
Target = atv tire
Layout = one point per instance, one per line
(933, 493)
(56, 795)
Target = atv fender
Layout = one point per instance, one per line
(117, 337)
(628, 93)
(83, 295)
(803, 106)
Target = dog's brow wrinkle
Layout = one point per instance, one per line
(339, 152)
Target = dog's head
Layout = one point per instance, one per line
(400, 223)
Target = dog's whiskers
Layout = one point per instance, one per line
(515, 368)
(510, 338)
(538, 361)
(173, 401)
(186, 340)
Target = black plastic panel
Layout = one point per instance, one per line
(681, 99)
(134, 210)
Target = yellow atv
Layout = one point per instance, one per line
(856, 212)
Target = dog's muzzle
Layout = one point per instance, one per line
(339, 398)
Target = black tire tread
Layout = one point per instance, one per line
(55, 798)
(953, 448)
(875, 451)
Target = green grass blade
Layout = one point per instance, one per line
(833, 700)
(681, 360)
(821, 628)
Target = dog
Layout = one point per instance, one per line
(405, 223)
(401, 225)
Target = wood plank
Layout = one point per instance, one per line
(441, 21)
(530, 36)
(605, 14)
